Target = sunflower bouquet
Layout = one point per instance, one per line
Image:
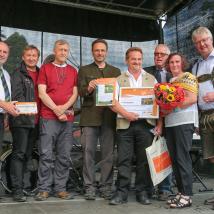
(168, 96)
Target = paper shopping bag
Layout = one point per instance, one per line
(159, 160)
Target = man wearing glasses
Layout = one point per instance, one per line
(161, 54)
(204, 70)
(57, 84)
(159, 71)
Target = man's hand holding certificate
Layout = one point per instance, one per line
(26, 107)
(140, 101)
(106, 91)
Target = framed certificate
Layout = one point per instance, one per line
(27, 107)
(106, 91)
(140, 101)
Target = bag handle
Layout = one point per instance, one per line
(155, 139)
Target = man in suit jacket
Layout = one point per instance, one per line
(159, 71)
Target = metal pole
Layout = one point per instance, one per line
(161, 38)
(41, 47)
(80, 50)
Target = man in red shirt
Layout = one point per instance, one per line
(58, 92)
(24, 128)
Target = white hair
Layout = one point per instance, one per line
(201, 31)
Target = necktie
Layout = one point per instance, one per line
(5, 86)
(158, 75)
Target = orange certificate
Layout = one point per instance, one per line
(27, 107)
(106, 91)
(140, 101)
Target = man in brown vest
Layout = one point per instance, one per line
(133, 135)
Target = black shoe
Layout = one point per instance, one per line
(117, 199)
(28, 193)
(142, 197)
(19, 198)
(90, 194)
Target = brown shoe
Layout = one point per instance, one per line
(209, 201)
(41, 196)
(64, 195)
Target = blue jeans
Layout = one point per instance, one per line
(165, 185)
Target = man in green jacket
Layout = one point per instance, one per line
(98, 123)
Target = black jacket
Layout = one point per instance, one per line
(22, 90)
(153, 71)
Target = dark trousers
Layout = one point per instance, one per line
(134, 140)
(89, 140)
(23, 143)
(179, 143)
(54, 154)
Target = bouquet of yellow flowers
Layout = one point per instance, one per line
(168, 96)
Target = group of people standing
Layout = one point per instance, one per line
(55, 88)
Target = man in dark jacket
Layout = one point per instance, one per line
(159, 71)
(96, 122)
(24, 127)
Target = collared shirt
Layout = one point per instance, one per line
(205, 66)
(133, 82)
(2, 94)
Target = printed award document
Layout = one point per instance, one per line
(106, 91)
(140, 101)
(27, 107)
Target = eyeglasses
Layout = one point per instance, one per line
(205, 40)
(160, 54)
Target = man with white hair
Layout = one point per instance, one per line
(161, 74)
(204, 70)
(5, 90)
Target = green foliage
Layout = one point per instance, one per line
(17, 43)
